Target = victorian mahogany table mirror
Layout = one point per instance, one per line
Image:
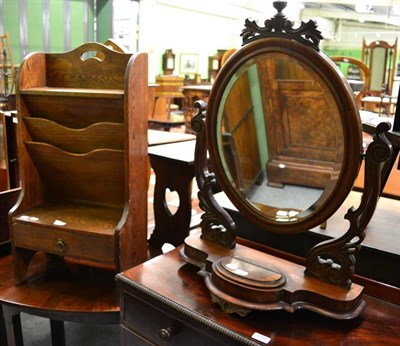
(284, 140)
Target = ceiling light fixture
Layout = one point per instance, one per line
(363, 8)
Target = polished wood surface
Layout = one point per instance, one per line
(380, 247)
(82, 125)
(166, 285)
(58, 290)
(239, 287)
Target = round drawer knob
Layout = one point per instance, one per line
(165, 334)
(60, 245)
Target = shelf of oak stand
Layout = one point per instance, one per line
(59, 171)
(74, 92)
(79, 141)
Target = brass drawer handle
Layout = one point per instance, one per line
(165, 334)
(60, 245)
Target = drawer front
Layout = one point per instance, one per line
(64, 243)
(130, 338)
(159, 327)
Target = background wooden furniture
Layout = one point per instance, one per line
(356, 70)
(193, 93)
(166, 103)
(8, 198)
(7, 67)
(381, 58)
(227, 55)
(164, 301)
(9, 172)
(82, 118)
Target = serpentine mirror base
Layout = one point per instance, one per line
(240, 283)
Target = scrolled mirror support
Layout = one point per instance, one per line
(333, 261)
(217, 226)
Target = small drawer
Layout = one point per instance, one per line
(63, 242)
(159, 327)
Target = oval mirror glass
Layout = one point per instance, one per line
(281, 132)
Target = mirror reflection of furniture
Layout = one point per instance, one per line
(82, 145)
(358, 75)
(381, 58)
(300, 109)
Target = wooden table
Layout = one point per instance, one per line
(60, 291)
(166, 122)
(155, 137)
(191, 94)
(173, 166)
(164, 301)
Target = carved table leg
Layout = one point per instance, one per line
(176, 176)
(10, 326)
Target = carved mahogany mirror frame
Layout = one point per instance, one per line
(344, 120)
(241, 279)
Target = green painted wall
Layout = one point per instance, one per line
(104, 20)
(11, 25)
(78, 15)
